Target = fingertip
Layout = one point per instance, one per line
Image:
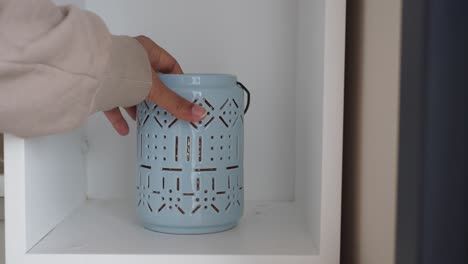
(122, 128)
(198, 112)
(178, 69)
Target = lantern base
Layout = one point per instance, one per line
(189, 230)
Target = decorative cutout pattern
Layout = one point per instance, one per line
(230, 112)
(190, 169)
(163, 118)
(209, 115)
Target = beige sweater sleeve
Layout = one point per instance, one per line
(58, 65)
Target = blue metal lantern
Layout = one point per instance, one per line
(190, 175)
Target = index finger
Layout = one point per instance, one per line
(160, 59)
(167, 63)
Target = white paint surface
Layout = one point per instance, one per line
(110, 159)
(2, 242)
(173, 259)
(290, 53)
(256, 40)
(55, 182)
(2, 185)
(332, 133)
(15, 205)
(111, 227)
(309, 109)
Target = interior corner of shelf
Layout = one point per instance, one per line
(267, 228)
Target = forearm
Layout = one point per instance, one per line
(60, 64)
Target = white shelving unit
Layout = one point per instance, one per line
(2, 203)
(70, 197)
(2, 179)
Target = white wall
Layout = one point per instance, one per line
(255, 40)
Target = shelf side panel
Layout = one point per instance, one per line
(309, 108)
(15, 227)
(55, 182)
(332, 133)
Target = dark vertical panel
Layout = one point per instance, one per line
(412, 105)
(445, 218)
(432, 199)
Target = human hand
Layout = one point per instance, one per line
(161, 61)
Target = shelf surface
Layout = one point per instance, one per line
(111, 227)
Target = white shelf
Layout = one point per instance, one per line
(2, 242)
(291, 56)
(2, 185)
(111, 227)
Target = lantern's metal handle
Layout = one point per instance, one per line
(248, 96)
